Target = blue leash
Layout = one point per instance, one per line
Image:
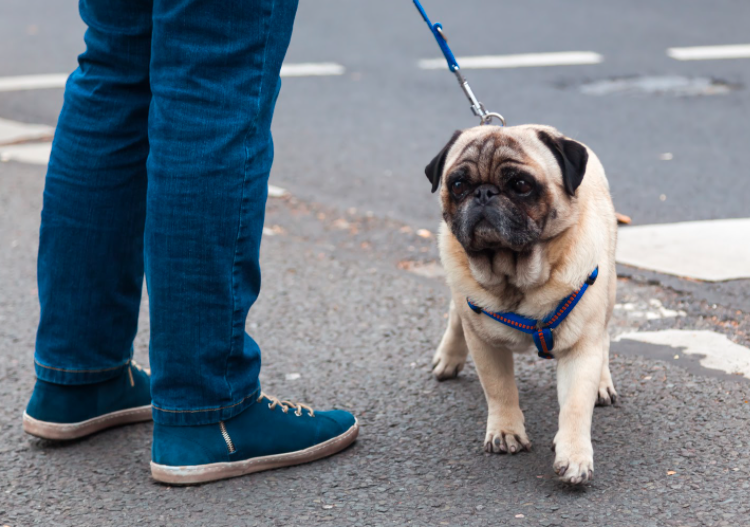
(540, 330)
(477, 107)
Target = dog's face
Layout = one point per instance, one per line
(508, 187)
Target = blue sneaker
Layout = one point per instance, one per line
(64, 412)
(269, 434)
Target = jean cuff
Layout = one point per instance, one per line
(67, 376)
(204, 416)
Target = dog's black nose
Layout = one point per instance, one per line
(484, 193)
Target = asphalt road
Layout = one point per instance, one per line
(674, 452)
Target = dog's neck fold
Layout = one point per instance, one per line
(540, 275)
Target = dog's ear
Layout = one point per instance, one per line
(572, 157)
(434, 170)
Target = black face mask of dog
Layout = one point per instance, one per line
(496, 196)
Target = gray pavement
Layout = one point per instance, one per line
(344, 304)
(337, 309)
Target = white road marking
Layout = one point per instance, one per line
(739, 51)
(526, 60)
(312, 69)
(38, 153)
(713, 250)
(57, 80)
(31, 153)
(14, 132)
(33, 82)
(720, 352)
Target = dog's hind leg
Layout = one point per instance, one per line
(607, 394)
(450, 356)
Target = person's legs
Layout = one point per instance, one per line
(90, 264)
(215, 78)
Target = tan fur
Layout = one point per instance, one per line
(581, 237)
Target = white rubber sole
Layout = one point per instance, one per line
(190, 475)
(68, 431)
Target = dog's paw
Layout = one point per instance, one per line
(506, 440)
(446, 366)
(573, 465)
(607, 394)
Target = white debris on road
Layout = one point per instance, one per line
(719, 352)
(276, 192)
(654, 310)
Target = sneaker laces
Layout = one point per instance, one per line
(138, 367)
(286, 405)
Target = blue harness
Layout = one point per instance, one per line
(540, 330)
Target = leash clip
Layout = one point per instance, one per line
(477, 108)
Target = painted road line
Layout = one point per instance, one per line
(38, 154)
(714, 350)
(57, 80)
(15, 132)
(30, 153)
(526, 60)
(713, 250)
(33, 82)
(739, 51)
(312, 69)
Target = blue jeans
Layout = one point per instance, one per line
(160, 166)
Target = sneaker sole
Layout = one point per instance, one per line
(68, 431)
(191, 475)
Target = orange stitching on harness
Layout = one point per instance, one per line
(508, 321)
(570, 300)
(543, 341)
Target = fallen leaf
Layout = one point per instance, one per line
(623, 219)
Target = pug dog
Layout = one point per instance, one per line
(527, 218)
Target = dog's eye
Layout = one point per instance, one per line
(458, 187)
(521, 186)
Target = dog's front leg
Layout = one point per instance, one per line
(505, 429)
(578, 375)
